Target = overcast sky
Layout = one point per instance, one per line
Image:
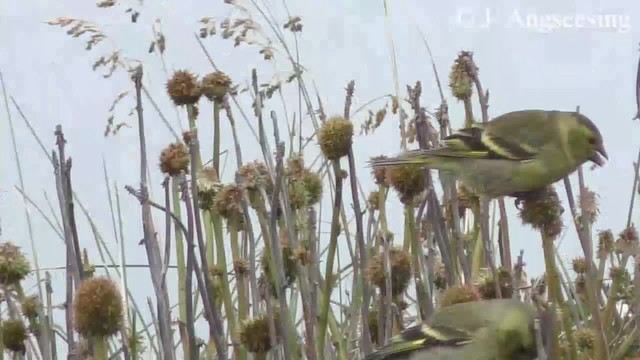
(545, 54)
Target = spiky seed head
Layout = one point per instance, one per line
(253, 175)
(335, 137)
(228, 204)
(208, 187)
(459, 80)
(589, 204)
(14, 335)
(295, 165)
(313, 186)
(241, 267)
(372, 200)
(605, 243)
(14, 266)
(407, 181)
(98, 310)
(400, 271)
(487, 285)
(618, 273)
(543, 212)
(188, 135)
(580, 265)
(380, 173)
(297, 194)
(216, 290)
(174, 159)
(254, 333)
(585, 339)
(373, 325)
(183, 88)
(302, 254)
(457, 295)
(216, 85)
(627, 242)
(30, 307)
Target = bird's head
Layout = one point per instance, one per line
(515, 336)
(586, 140)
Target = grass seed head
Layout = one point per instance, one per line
(98, 310)
(335, 137)
(183, 88)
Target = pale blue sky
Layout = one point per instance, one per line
(589, 61)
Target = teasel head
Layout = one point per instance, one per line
(174, 159)
(215, 86)
(228, 204)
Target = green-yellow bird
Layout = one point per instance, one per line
(517, 152)
(500, 329)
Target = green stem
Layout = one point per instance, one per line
(100, 348)
(333, 242)
(180, 260)
(554, 289)
(216, 136)
(243, 304)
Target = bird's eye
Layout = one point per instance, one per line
(592, 140)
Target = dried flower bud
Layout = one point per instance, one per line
(373, 200)
(208, 187)
(580, 265)
(335, 137)
(380, 173)
(14, 335)
(30, 307)
(241, 267)
(14, 266)
(227, 204)
(174, 159)
(98, 309)
(183, 88)
(627, 242)
(216, 85)
(589, 204)
(400, 271)
(254, 334)
(605, 243)
(542, 210)
(459, 80)
(407, 181)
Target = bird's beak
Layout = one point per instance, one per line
(598, 155)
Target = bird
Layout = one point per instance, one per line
(515, 153)
(498, 329)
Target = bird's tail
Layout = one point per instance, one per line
(413, 157)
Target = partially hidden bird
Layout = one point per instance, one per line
(517, 152)
(499, 329)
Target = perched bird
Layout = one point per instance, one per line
(517, 152)
(500, 329)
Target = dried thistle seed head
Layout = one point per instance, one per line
(372, 201)
(14, 266)
(297, 194)
(589, 204)
(400, 271)
(605, 243)
(216, 85)
(457, 295)
(208, 187)
(174, 159)
(543, 212)
(486, 284)
(30, 307)
(313, 186)
(580, 265)
(295, 165)
(241, 267)
(585, 339)
(98, 310)
(335, 137)
(183, 88)
(459, 80)
(618, 273)
(253, 175)
(380, 173)
(467, 200)
(254, 334)
(14, 335)
(228, 204)
(407, 181)
(216, 270)
(373, 325)
(627, 242)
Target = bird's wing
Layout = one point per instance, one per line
(420, 337)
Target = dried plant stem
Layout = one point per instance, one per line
(150, 241)
(333, 243)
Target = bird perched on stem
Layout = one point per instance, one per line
(515, 153)
(500, 329)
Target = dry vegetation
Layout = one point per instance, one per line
(277, 293)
